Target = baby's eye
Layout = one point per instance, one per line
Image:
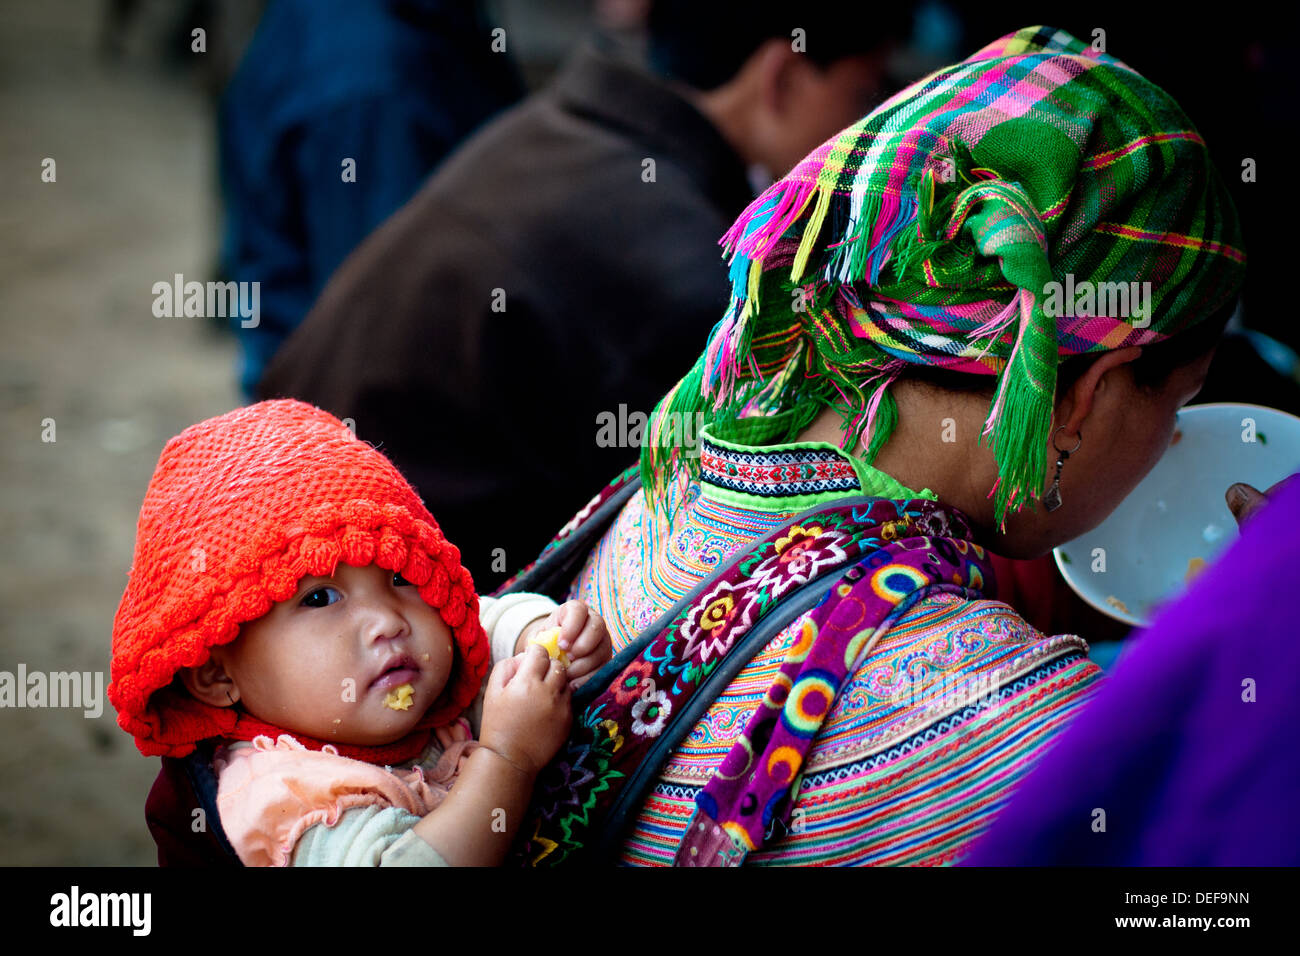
(399, 581)
(321, 597)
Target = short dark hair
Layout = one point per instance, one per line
(1157, 362)
(704, 44)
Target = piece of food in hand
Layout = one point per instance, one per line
(1194, 567)
(399, 698)
(549, 641)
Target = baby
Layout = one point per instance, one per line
(293, 604)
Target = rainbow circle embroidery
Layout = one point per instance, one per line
(856, 645)
(808, 703)
(799, 650)
(735, 764)
(738, 835)
(783, 763)
(779, 692)
(894, 582)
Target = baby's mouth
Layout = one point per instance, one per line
(398, 671)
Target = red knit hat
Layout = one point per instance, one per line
(239, 510)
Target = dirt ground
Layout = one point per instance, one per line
(133, 203)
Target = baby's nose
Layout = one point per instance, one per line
(384, 623)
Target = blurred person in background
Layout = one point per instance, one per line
(549, 273)
(335, 116)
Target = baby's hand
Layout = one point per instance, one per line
(586, 639)
(526, 710)
(583, 637)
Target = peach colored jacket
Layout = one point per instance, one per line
(272, 791)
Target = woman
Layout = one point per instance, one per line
(807, 668)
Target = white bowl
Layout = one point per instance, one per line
(1178, 513)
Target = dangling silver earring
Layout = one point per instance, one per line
(1052, 500)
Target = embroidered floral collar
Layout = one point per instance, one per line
(791, 476)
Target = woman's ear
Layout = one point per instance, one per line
(210, 683)
(1074, 407)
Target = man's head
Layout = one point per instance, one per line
(777, 79)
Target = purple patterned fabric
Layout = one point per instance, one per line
(757, 781)
(617, 731)
(1189, 750)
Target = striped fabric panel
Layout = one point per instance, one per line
(922, 802)
(942, 648)
(906, 769)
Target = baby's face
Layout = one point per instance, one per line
(323, 662)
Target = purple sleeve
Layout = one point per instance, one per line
(1187, 755)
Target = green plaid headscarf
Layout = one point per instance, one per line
(931, 231)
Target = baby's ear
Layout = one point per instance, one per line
(210, 684)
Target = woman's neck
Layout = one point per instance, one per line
(933, 446)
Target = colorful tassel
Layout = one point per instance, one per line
(1020, 416)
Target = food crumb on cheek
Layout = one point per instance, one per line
(425, 657)
(400, 698)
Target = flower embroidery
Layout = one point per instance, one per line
(716, 614)
(799, 559)
(564, 786)
(894, 529)
(713, 623)
(797, 541)
(611, 728)
(538, 842)
(628, 685)
(935, 524)
(650, 714)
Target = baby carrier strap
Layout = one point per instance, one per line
(630, 799)
(637, 708)
(753, 791)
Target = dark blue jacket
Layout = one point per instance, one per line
(391, 84)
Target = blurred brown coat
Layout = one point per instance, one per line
(605, 285)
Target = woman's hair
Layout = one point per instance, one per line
(1151, 370)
